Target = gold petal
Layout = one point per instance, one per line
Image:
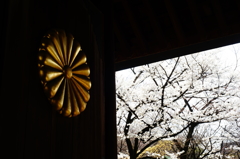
(79, 97)
(56, 41)
(52, 87)
(46, 59)
(70, 39)
(75, 50)
(52, 51)
(81, 103)
(80, 59)
(66, 110)
(84, 93)
(63, 39)
(58, 99)
(83, 80)
(48, 73)
(74, 96)
(82, 70)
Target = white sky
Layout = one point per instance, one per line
(228, 54)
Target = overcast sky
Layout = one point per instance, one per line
(228, 54)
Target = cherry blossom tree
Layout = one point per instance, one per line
(231, 146)
(165, 99)
(206, 142)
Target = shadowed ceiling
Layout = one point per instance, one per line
(144, 28)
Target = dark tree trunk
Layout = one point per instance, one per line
(132, 149)
(188, 140)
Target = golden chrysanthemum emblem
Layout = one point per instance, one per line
(64, 72)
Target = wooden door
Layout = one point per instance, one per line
(30, 128)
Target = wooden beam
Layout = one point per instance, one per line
(134, 25)
(154, 23)
(238, 4)
(196, 18)
(175, 23)
(120, 37)
(219, 16)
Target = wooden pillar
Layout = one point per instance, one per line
(106, 7)
(110, 92)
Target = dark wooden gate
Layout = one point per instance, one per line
(30, 128)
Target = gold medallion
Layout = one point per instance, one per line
(64, 73)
